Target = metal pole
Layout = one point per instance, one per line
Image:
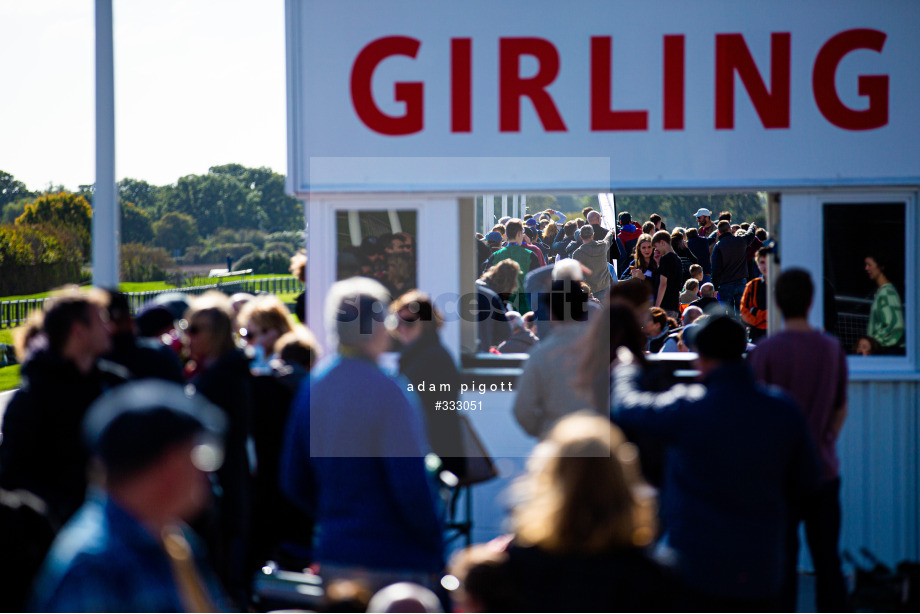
(773, 216)
(106, 227)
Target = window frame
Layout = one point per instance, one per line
(802, 214)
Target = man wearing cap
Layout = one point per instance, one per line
(739, 456)
(128, 549)
(704, 219)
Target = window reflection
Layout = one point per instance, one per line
(380, 245)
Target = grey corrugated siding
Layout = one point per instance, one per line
(878, 452)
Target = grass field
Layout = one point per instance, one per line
(9, 376)
(151, 286)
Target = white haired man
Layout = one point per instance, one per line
(354, 454)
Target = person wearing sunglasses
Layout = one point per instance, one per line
(219, 371)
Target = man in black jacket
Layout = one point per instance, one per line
(43, 458)
(42, 449)
(567, 243)
(729, 266)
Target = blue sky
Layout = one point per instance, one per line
(197, 83)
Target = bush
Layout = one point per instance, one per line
(265, 263)
(176, 231)
(283, 248)
(295, 238)
(62, 211)
(242, 235)
(218, 253)
(38, 244)
(141, 263)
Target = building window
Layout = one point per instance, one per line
(381, 245)
(864, 277)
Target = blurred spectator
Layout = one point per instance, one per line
(128, 548)
(493, 291)
(356, 465)
(866, 346)
(142, 358)
(707, 299)
(657, 329)
(404, 597)
(733, 472)
(299, 270)
(690, 292)
(544, 392)
(262, 321)
(220, 372)
(522, 339)
(43, 460)
(424, 360)
(812, 367)
(280, 531)
(615, 326)
(41, 450)
(580, 525)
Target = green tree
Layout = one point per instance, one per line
(87, 191)
(10, 211)
(176, 231)
(141, 193)
(11, 189)
(214, 201)
(62, 210)
(678, 210)
(277, 210)
(136, 226)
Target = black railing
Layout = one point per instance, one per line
(14, 313)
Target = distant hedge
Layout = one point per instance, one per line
(36, 258)
(265, 263)
(141, 263)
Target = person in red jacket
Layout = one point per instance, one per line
(754, 300)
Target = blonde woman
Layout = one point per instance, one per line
(581, 525)
(262, 322)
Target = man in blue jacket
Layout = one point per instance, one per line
(739, 455)
(354, 454)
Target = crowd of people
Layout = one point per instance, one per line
(156, 463)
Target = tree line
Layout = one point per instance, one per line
(231, 210)
(675, 209)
